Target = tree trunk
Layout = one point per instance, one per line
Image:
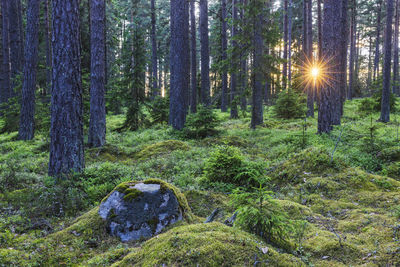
(339, 96)
(396, 51)
(385, 105)
(193, 49)
(378, 41)
(155, 89)
(224, 106)
(330, 43)
(205, 53)
(6, 86)
(180, 62)
(257, 105)
(66, 133)
(234, 111)
(308, 52)
(21, 33)
(47, 36)
(289, 45)
(243, 63)
(97, 125)
(15, 43)
(27, 115)
(352, 49)
(285, 44)
(369, 79)
(319, 29)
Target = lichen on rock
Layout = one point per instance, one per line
(140, 210)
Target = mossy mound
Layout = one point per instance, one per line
(109, 257)
(161, 148)
(13, 257)
(106, 153)
(203, 203)
(311, 161)
(390, 154)
(212, 244)
(86, 237)
(349, 212)
(225, 140)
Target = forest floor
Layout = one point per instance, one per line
(347, 201)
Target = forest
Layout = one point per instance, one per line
(199, 133)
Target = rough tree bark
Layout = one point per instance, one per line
(352, 49)
(285, 44)
(339, 95)
(47, 37)
(154, 74)
(66, 133)
(205, 53)
(97, 124)
(180, 62)
(330, 43)
(289, 45)
(385, 105)
(193, 49)
(243, 63)
(27, 115)
(258, 43)
(224, 105)
(319, 21)
(16, 50)
(234, 111)
(369, 79)
(6, 86)
(21, 33)
(396, 51)
(308, 51)
(378, 40)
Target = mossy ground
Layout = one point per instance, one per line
(350, 201)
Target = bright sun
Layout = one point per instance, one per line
(315, 72)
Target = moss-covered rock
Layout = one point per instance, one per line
(211, 244)
(161, 148)
(139, 210)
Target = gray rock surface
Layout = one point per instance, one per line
(141, 216)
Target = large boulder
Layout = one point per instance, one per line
(140, 210)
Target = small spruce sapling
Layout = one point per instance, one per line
(259, 213)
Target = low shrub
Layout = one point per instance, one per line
(202, 123)
(290, 105)
(258, 213)
(227, 165)
(159, 110)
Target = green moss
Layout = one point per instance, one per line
(202, 203)
(132, 194)
(311, 161)
(294, 210)
(211, 244)
(13, 257)
(390, 154)
(109, 257)
(225, 140)
(86, 237)
(161, 148)
(107, 152)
